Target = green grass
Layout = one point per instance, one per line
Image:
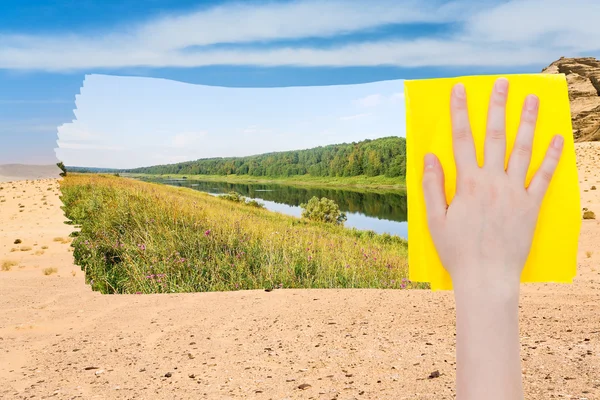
(139, 237)
(361, 181)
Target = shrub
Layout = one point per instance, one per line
(238, 198)
(254, 203)
(233, 196)
(61, 165)
(589, 215)
(323, 210)
(7, 265)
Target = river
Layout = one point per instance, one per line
(382, 212)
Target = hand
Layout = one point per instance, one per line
(483, 239)
(485, 235)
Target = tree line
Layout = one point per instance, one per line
(385, 156)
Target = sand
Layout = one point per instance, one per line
(19, 172)
(60, 340)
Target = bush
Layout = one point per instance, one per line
(589, 215)
(62, 167)
(254, 203)
(233, 196)
(324, 210)
(238, 198)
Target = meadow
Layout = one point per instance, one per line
(140, 237)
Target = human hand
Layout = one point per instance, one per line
(484, 236)
(483, 239)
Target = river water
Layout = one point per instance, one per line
(382, 212)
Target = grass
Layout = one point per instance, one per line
(7, 265)
(25, 248)
(49, 271)
(139, 237)
(361, 181)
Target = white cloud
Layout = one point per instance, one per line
(355, 116)
(491, 33)
(85, 146)
(74, 131)
(182, 140)
(255, 130)
(372, 100)
(397, 97)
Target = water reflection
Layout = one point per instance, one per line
(382, 212)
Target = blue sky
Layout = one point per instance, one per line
(48, 47)
(126, 122)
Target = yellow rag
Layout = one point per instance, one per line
(553, 256)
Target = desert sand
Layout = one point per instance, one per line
(20, 172)
(60, 340)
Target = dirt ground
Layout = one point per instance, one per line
(60, 340)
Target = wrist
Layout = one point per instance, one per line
(487, 288)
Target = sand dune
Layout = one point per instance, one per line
(60, 340)
(16, 172)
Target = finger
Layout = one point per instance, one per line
(520, 158)
(495, 137)
(433, 189)
(462, 138)
(541, 180)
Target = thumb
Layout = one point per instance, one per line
(433, 189)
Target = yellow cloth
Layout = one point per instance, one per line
(553, 256)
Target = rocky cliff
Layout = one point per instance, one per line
(583, 79)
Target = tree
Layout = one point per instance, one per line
(323, 210)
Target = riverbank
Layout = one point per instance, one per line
(355, 182)
(153, 238)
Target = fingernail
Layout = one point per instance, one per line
(557, 142)
(429, 161)
(531, 102)
(501, 85)
(459, 91)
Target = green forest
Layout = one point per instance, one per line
(385, 156)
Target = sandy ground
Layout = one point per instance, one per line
(58, 339)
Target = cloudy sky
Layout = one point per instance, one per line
(49, 47)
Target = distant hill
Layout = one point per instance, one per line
(18, 172)
(385, 156)
(583, 79)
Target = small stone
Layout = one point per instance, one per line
(168, 375)
(434, 374)
(304, 386)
